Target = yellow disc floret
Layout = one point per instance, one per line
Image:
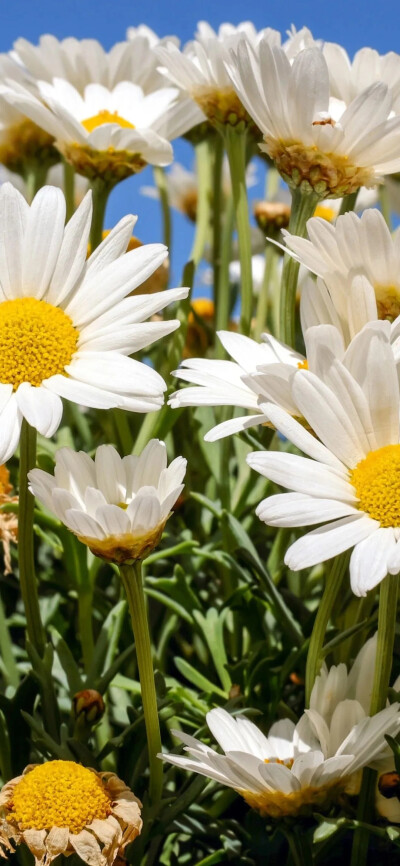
(377, 483)
(37, 340)
(103, 117)
(58, 794)
(303, 365)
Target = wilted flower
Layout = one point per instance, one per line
(63, 808)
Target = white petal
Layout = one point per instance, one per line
(40, 407)
(330, 540)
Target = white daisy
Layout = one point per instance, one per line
(352, 478)
(349, 78)
(84, 61)
(317, 142)
(106, 133)
(355, 246)
(117, 506)
(199, 68)
(290, 771)
(259, 372)
(67, 326)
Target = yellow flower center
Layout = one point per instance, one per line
(303, 365)
(387, 301)
(105, 116)
(37, 340)
(58, 794)
(288, 763)
(377, 483)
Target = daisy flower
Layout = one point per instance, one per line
(318, 142)
(258, 373)
(23, 144)
(63, 808)
(355, 245)
(67, 325)
(352, 477)
(289, 772)
(84, 61)
(107, 133)
(199, 68)
(349, 78)
(117, 506)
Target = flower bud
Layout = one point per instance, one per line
(88, 706)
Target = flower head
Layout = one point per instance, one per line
(199, 68)
(107, 132)
(117, 506)
(291, 771)
(318, 143)
(67, 327)
(63, 808)
(355, 246)
(352, 478)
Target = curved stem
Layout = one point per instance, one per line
(236, 150)
(101, 191)
(26, 561)
(383, 665)
(303, 207)
(161, 184)
(315, 655)
(131, 576)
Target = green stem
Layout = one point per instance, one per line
(69, 189)
(161, 184)
(222, 288)
(101, 191)
(5, 756)
(303, 207)
(217, 205)
(348, 202)
(203, 167)
(334, 581)
(131, 576)
(236, 149)
(299, 847)
(35, 177)
(26, 561)
(383, 666)
(122, 430)
(85, 608)
(271, 256)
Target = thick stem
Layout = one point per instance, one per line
(303, 207)
(383, 666)
(236, 149)
(161, 184)
(100, 191)
(203, 168)
(131, 576)
(315, 655)
(69, 189)
(26, 561)
(35, 177)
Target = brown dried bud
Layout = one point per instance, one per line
(88, 706)
(389, 785)
(272, 215)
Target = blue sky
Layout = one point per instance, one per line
(351, 23)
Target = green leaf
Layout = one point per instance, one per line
(197, 679)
